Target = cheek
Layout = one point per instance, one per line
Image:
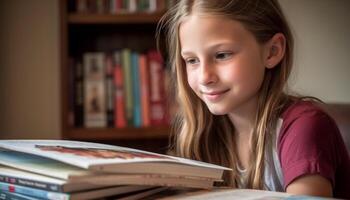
(244, 75)
(192, 80)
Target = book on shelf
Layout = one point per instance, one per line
(73, 169)
(121, 6)
(110, 91)
(119, 112)
(157, 91)
(119, 89)
(95, 111)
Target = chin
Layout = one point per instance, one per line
(217, 111)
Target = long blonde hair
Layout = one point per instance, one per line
(200, 135)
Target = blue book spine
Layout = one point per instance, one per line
(15, 196)
(42, 194)
(136, 89)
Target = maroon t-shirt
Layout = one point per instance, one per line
(310, 143)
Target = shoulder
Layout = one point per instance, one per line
(306, 119)
(307, 142)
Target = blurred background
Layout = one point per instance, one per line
(30, 59)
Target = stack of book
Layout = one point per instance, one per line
(62, 170)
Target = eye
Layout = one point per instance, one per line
(191, 61)
(223, 55)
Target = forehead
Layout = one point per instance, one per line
(208, 27)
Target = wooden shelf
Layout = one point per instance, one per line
(129, 133)
(127, 18)
(80, 33)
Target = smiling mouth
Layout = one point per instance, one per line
(212, 96)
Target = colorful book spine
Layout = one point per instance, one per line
(119, 106)
(32, 192)
(144, 90)
(14, 196)
(157, 97)
(31, 183)
(127, 75)
(120, 116)
(136, 89)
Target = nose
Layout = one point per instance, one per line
(207, 74)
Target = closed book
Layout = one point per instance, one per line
(78, 91)
(137, 121)
(157, 93)
(94, 90)
(85, 159)
(14, 196)
(110, 90)
(119, 100)
(89, 194)
(144, 90)
(128, 85)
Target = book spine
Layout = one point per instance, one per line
(71, 68)
(132, 6)
(14, 196)
(31, 183)
(78, 95)
(136, 89)
(33, 192)
(109, 91)
(82, 6)
(144, 90)
(94, 90)
(152, 5)
(126, 63)
(157, 98)
(119, 111)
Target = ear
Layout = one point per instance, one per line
(275, 49)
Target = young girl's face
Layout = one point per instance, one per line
(224, 63)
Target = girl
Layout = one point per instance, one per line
(231, 60)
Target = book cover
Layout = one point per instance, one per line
(6, 195)
(44, 178)
(89, 194)
(48, 179)
(113, 159)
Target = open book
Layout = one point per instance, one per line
(72, 166)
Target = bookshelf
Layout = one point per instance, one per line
(89, 32)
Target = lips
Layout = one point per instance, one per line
(214, 95)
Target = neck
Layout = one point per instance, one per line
(243, 118)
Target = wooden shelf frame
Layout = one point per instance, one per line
(126, 18)
(100, 134)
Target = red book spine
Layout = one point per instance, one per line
(144, 89)
(157, 94)
(119, 106)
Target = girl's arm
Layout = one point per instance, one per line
(313, 184)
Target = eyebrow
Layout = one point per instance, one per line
(213, 46)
